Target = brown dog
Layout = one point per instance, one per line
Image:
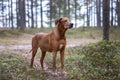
(52, 42)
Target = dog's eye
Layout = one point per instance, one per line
(65, 21)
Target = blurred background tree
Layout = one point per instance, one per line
(42, 13)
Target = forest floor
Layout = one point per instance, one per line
(15, 41)
(19, 46)
(19, 42)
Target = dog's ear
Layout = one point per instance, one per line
(60, 19)
(57, 20)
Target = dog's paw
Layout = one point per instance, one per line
(64, 72)
(54, 73)
(45, 68)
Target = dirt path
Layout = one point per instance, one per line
(26, 47)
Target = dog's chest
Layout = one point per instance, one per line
(62, 44)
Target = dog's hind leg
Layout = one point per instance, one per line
(34, 51)
(42, 59)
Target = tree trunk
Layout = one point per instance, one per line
(17, 14)
(12, 15)
(2, 14)
(36, 14)
(111, 13)
(94, 14)
(9, 13)
(41, 10)
(65, 11)
(88, 14)
(98, 10)
(28, 13)
(75, 13)
(50, 13)
(32, 15)
(21, 14)
(59, 9)
(106, 19)
(69, 8)
(118, 12)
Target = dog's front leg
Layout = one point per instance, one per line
(54, 60)
(62, 59)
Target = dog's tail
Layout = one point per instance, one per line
(29, 51)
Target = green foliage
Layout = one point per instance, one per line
(14, 67)
(100, 61)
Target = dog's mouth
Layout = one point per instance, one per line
(71, 25)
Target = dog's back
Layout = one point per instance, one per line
(41, 40)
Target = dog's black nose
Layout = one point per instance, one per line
(71, 25)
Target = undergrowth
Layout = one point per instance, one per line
(15, 67)
(96, 61)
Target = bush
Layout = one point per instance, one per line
(100, 61)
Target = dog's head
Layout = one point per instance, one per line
(64, 22)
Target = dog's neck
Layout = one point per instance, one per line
(59, 31)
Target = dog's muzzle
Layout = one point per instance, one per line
(71, 25)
